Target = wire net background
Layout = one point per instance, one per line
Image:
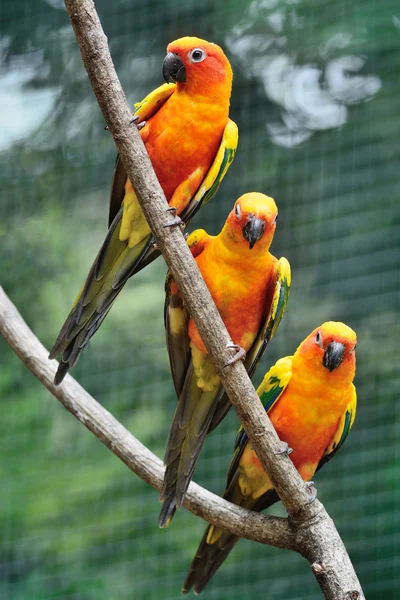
(316, 97)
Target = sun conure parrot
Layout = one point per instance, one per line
(250, 288)
(191, 142)
(311, 401)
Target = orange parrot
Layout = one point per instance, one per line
(250, 288)
(191, 142)
(311, 401)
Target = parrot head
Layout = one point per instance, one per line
(331, 348)
(251, 223)
(197, 65)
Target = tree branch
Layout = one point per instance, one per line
(321, 543)
(274, 531)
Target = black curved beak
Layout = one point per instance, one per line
(253, 230)
(173, 68)
(333, 356)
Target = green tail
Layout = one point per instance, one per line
(186, 437)
(114, 264)
(210, 555)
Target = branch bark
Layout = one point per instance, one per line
(320, 541)
(275, 531)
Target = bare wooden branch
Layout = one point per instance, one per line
(274, 531)
(321, 543)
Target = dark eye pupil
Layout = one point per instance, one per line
(197, 55)
(317, 337)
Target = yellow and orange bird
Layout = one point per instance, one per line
(191, 142)
(311, 401)
(250, 288)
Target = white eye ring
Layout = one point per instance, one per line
(197, 55)
(238, 211)
(318, 340)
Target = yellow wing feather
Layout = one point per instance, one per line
(152, 102)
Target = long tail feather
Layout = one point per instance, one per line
(114, 264)
(208, 559)
(217, 544)
(189, 428)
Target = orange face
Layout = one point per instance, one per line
(252, 222)
(193, 62)
(331, 347)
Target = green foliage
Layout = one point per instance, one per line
(315, 96)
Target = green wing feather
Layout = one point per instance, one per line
(216, 543)
(217, 171)
(176, 319)
(270, 390)
(195, 407)
(265, 334)
(345, 424)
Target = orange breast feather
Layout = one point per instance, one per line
(181, 137)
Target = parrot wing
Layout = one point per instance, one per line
(269, 391)
(345, 424)
(275, 312)
(144, 110)
(116, 262)
(196, 402)
(217, 171)
(176, 318)
(216, 543)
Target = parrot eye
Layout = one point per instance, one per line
(353, 348)
(238, 211)
(318, 339)
(197, 55)
(275, 220)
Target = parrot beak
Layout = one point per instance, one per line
(173, 68)
(333, 356)
(253, 230)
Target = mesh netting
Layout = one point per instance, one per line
(315, 96)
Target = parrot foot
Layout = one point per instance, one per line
(312, 491)
(285, 450)
(177, 220)
(135, 119)
(240, 354)
(155, 246)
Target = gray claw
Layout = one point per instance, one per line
(135, 119)
(312, 491)
(177, 220)
(240, 353)
(285, 450)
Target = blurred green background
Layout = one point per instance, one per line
(316, 97)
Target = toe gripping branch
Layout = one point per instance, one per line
(138, 125)
(284, 450)
(240, 354)
(312, 491)
(133, 120)
(177, 221)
